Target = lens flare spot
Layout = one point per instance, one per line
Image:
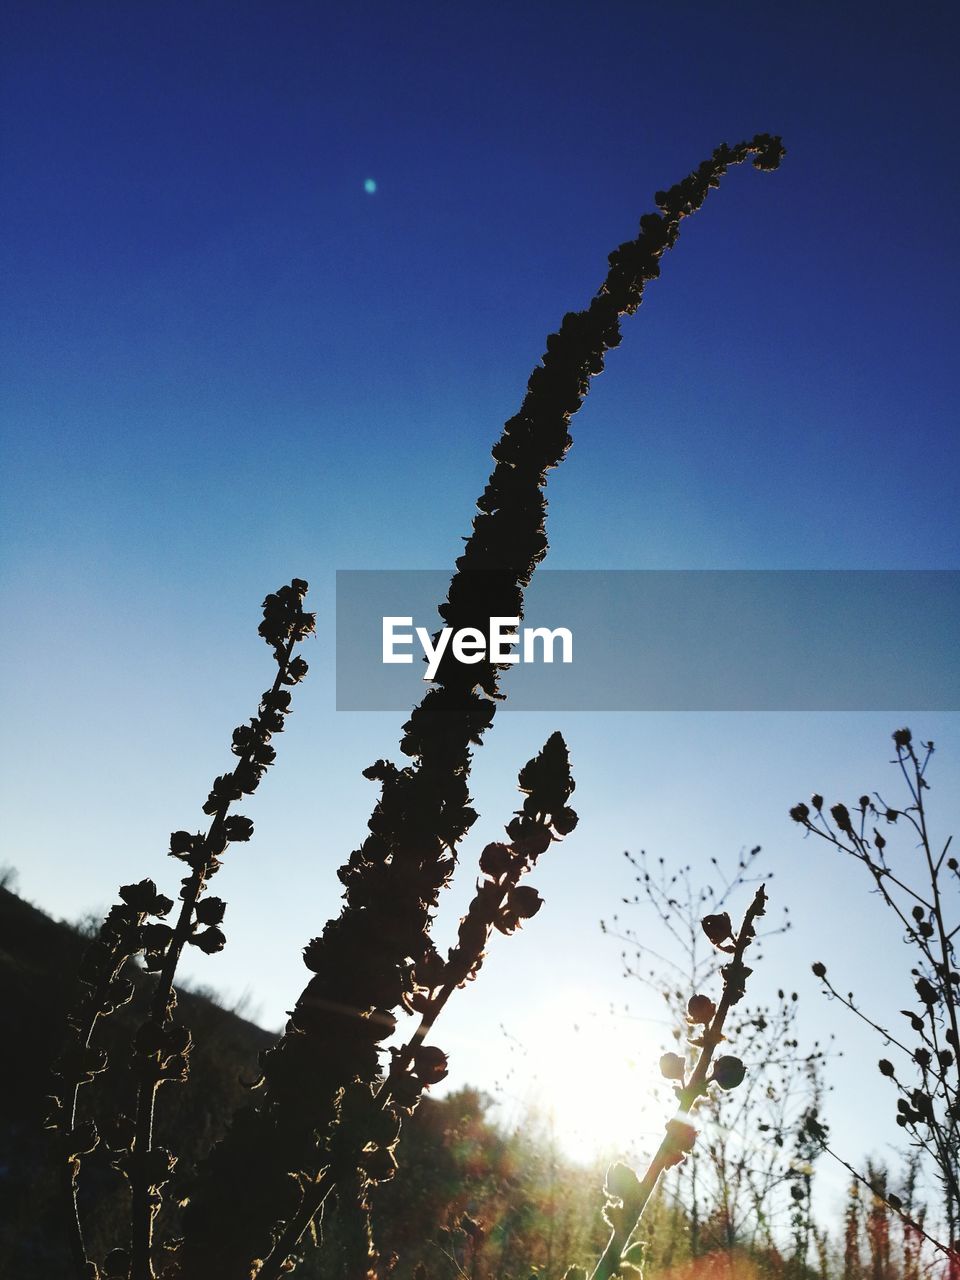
(370, 186)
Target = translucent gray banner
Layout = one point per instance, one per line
(673, 640)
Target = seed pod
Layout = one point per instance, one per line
(728, 1072)
(496, 859)
(565, 821)
(841, 816)
(210, 910)
(671, 1066)
(927, 992)
(717, 928)
(141, 896)
(524, 901)
(533, 842)
(700, 1009)
(430, 1064)
(237, 828)
(682, 1136)
(209, 940)
(621, 1182)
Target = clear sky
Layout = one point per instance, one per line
(274, 275)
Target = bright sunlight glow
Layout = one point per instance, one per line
(593, 1077)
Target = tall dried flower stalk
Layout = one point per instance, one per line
(375, 955)
(500, 904)
(161, 1048)
(327, 1114)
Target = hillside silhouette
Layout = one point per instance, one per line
(39, 960)
(526, 1202)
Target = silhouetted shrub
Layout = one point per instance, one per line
(918, 885)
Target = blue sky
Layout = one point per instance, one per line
(225, 363)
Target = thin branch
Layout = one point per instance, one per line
(680, 1135)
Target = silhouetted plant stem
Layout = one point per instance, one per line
(893, 1202)
(80, 1061)
(928, 1108)
(315, 1194)
(627, 1194)
(71, 1172)
(145, 1199)
(145, 1194)
(83, 1267)
(161, 1047)
(499, 904)
(946, 958)
(365, 962)
(730, 1184)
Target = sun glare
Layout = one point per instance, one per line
(593, 1076)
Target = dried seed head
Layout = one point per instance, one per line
(524, 901)
(728, 1072)
(671, 1066)
(210, 910)
(496, 859)
(621, 1183)
(927, 992)
(841, 816)
(717, 928)
(430, 1064)
(700, 1009)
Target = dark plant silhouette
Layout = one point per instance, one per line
(325, 1113)
(535, 1205)
(808, 1139)
(919, 888)
(735, 1183)
(627, 1194)
(134, 927)
(373, 959)
(362, 1153)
